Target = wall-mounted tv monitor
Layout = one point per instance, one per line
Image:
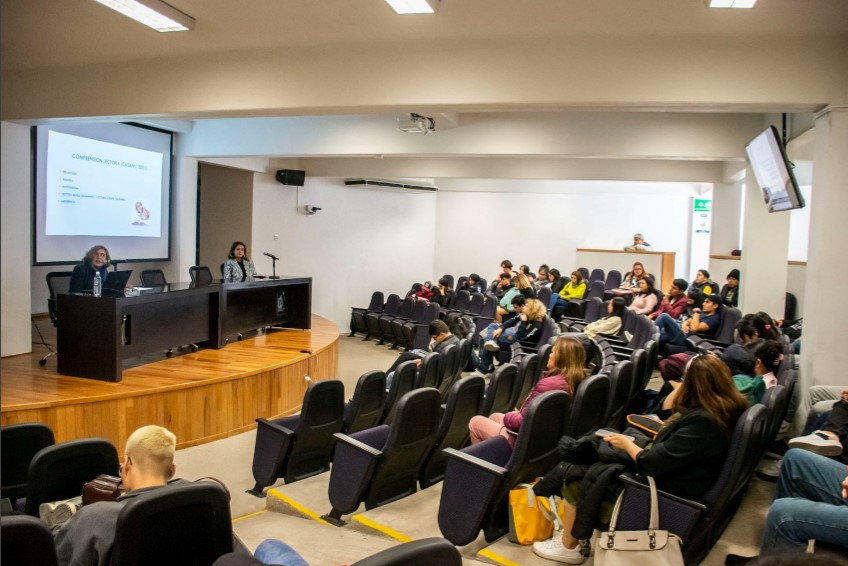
(773, 171)
(101, 183)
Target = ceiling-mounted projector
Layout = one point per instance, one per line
(416, 124)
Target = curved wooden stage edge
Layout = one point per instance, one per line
(202, 396)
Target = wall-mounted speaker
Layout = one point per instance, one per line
(291, 177)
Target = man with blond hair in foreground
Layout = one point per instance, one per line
(87, 538)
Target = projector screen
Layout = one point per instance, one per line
(107, 184)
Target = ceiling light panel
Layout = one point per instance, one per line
(414, 6)
(152, 13)
(731, 3)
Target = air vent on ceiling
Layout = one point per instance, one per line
(389, 185)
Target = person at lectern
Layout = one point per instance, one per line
(238, 267)
(96, 259)
(639, 244)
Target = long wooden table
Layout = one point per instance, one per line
(96, 335)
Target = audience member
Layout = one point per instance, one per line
(674, 303)
(829, 439)
(525, 270)
(810, 503)
(96, 259)
(441, 337)
(506, 268)
(472, 284)
(645, 299)
(639, 243)
(768, 354)
(705, 321)
(770, 331)
(730, 291)
(507, 292)
(87, 538)
(630, 281)
(542, 276)
(443, 293)
(610, 324)
(703, 284)
(425, 291)
(525, 327)
(574, 289)
(556, 281)
(238, 266)
(684, 459)
(564, 373)
(525, 286)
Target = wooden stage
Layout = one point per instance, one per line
(202, 396)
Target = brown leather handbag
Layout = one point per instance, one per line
(102, 488)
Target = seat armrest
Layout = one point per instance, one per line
(357, 445)
(274, 427)
(475, 462)
(631, 481)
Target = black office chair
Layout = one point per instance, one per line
(181, 523)
(26, 541)
(58, 283)
(153, 278)
(19, 444)
(200, 275)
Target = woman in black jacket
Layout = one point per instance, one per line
(688, 452)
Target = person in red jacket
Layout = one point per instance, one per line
(675, 302)
(565, 372)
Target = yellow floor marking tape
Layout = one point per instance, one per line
(382, 528)
(249, 515)
(297, 506)
(497, 558)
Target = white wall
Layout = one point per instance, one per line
(362, 241)
(475, 231)
(16, 239)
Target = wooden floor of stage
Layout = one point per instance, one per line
(201, 396)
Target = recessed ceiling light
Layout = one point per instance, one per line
(414, 6)
(731, 3)
(152, 13)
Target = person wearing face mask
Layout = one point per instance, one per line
(96, 259)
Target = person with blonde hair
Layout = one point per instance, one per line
(565, 371)
(526, 326)
(87, 538)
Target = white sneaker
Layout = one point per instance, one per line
(819, 443)
(552, 549)
(492, 346)
(58, 512)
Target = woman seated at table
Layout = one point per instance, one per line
(564, 373)
(684, 459)
(238, 267)
(630, 281)
(96, 259)
(645, 300)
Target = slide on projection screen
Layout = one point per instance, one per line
(101, 184)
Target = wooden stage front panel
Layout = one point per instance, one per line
(202, 396)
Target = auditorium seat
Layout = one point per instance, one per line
(588, 406)
(415, 333)
(450, 357)
(422, 552)
(418, 314)
(357, 315)
(500, 391)
(181, 523)
(26, 541)
(366, 406)
(301, 445)
(700, 523)
(19, 444)
(613, 280)
(621, 389)
(429, 373)
(406, 374)
(478, 478)
(463, 402)
(527, 375)
(381, 464)
(372, 319)
(403, 314)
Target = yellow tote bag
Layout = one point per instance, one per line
(530, 516)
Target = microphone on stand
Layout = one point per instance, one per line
(272, 256)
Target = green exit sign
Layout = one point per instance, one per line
(702, 205)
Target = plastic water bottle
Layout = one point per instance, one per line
(98, 284)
